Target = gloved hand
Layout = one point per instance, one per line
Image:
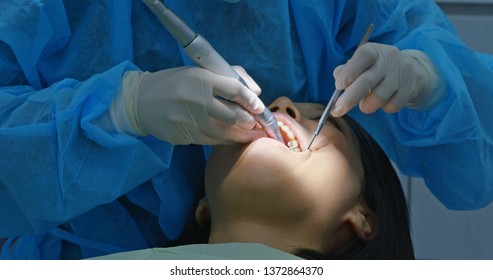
(179, 106)
(382, 76)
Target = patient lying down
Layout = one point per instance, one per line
(339, 200)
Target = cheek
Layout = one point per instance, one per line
(263, 163)
(257, 184)
(263, 172)
(257, 167)
(336, 178)
(219, 164)
(333, 164)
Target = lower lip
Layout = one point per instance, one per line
(277, 143)
(304, 155)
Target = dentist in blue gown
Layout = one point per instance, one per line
(97, 101)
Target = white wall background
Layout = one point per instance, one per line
(439, 233)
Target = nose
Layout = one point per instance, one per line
(285, 105)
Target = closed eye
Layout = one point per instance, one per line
(336, 122)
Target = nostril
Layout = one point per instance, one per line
(291, 113)
(274, 109)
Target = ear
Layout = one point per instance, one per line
(363, 221)
(202, 213)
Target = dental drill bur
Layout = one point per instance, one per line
(202, 53)
(337, 92)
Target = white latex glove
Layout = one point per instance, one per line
(382, 76)
(179, 106)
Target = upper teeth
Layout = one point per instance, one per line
(291, 142)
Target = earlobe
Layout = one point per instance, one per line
(369, 229)
(202, 214)
(364, 221)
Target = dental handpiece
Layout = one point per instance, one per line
(337, 92)
(202, 53)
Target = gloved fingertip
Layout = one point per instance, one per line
(337, 112)
(257, 107)
(250, 82)
(337, 71)
(251, 102)
(370, 104)
(255, 88)
(340, 85)
(341, 108)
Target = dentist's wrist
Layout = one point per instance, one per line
(121, 113)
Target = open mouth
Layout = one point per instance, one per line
(289, 137)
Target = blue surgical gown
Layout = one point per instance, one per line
(70, 189)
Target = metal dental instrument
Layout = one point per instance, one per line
(200, 51)
(337, 92)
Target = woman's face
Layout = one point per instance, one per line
(266, 182)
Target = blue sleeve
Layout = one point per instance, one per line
(58, 74)
(55, 162)
(450, 146)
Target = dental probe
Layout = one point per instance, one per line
(200, 51)
(337, 92)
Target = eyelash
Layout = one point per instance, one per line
(335, 122)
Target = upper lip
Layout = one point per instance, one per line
(294, 126)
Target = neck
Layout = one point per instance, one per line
(252, 233)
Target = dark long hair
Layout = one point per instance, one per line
(383, 193)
